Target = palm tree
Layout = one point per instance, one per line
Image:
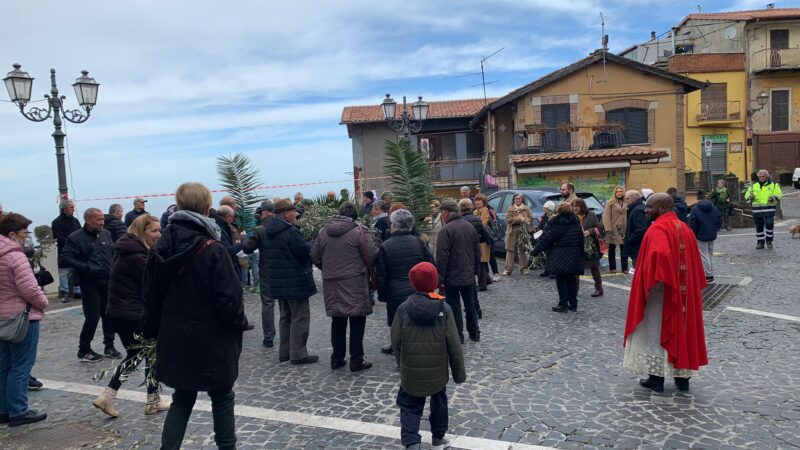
(411, 180)
(240, 178)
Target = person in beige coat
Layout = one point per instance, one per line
(516, 215)
(615, 217)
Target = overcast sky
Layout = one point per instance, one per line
(183, 82)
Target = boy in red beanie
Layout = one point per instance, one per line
(426, 345)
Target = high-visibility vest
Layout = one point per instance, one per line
(763, 198)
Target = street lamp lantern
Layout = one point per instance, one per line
(405, 124)
(86, 90)
(762, 98)
(389, 107)
(420, 109)
(19, 85)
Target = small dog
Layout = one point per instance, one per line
(794, 229)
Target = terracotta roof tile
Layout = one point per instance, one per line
(762, 14)
(625, 153)
(707, 62)
(438, 110)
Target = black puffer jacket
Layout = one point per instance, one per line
(681, 209)
(637, 225)
(133, 215)
(193, 306)
(563, 242)
(127, 275)
(395, 259)
(705, 221)
(458, 253)
(114, 226)
(426, 344)
(483, 234)
(288, 256)
(90, 253)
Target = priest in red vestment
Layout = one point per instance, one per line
(664, 334)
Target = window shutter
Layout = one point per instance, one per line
(780, 110)
(634, 124)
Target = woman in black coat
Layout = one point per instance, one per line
(193, 307)
(395, 259)
(563, 242)
(592, 229)
(125, 307)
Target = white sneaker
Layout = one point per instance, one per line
(496, 277)
(630, 271)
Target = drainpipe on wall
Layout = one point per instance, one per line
(748, 123)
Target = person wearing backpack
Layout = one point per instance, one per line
(426, 346)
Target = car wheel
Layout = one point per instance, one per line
(797, 184)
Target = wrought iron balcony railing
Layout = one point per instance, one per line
(774, 59)
(719, 111)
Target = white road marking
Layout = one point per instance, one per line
(303, 419)
(745, 281)
(747, 234)
(606, 283)
(56, 311)
(764, 313)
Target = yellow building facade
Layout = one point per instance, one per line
(716, 116)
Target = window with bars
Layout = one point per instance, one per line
(634, 124)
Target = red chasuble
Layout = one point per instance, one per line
(669, 255)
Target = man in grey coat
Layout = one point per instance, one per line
(344, 251)
(250, 245)
(458, 261)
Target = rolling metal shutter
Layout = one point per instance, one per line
(717, 163)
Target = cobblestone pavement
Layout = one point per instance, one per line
(536, 377)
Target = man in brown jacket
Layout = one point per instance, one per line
(458, 260)
(343, 251)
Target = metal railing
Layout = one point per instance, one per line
(456, 169)
(567, 138)
(775, 59)
(719, 111)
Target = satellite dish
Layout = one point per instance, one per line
(730, 33)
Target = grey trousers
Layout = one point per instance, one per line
(294, 322)
(267, 312)
(706, 255)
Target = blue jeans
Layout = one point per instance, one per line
(64, 275)
(16, 362)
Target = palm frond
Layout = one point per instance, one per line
(411, 180)
(240, 178)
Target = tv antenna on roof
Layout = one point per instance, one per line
(483, 78)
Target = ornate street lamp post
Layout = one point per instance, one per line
(405, 124)
(19, 85)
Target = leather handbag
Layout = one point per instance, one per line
(15, 329)
(602, 246)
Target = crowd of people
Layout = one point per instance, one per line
(178, 279)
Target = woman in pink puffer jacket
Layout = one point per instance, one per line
(18, 288)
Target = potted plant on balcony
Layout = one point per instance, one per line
(603, 127)
(567, 127)
(536, 128)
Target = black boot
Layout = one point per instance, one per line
(682, 384)
(654, 383)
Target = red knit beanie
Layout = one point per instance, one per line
(424, 277)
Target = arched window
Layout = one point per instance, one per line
(634, 124)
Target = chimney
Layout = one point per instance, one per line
(652, 35)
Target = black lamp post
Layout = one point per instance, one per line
(405, 124)
(19, 85)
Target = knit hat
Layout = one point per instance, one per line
(424, 277)
(549, 206)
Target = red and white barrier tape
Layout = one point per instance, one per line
(315, 183)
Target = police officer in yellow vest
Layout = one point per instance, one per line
(764, 195)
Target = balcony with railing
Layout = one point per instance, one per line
(715, 113)
(775, 60)
(456, 171)
(537, 138)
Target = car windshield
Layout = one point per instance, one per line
(591, 200)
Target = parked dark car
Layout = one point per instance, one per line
(535, 200)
